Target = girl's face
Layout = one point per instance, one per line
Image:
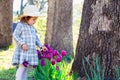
(32, 20)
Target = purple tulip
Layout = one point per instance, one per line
(59, 58)
(63, 53)
(43, 56)
(55, 53)
(44, 52)
(25, 63)
(34, 66)
(47, 46)
(57, 68)
(50, 50)
(42, 62)
(53, 62)
(49, 56)
(39, 54)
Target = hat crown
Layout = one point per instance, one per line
(31, 10)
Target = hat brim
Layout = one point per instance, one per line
(36, 14)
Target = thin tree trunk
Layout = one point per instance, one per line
(99, 34)
(6, 10)
(59, 25)
(21, 7)
(31, 2)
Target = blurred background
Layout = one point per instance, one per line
(7, 71)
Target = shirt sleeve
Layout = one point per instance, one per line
(17, 33)
(38, 43)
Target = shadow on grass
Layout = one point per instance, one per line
(5, 48)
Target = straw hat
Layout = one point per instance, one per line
(31, 10)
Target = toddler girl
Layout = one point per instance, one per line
(26, 42)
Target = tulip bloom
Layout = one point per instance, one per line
(25, 63)
(63, 53)
(52, 55)
(42, 62)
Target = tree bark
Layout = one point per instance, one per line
(6, 10)
(59, 25)
(21, 7)
(99, 34)
(31, 2)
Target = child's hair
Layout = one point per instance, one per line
(25, 19)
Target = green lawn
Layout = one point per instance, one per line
(7, 71)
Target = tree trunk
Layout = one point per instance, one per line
(6, 10)
(99, 34)
(21, 7)
(31, 2)
(42, 4)
(59, 25)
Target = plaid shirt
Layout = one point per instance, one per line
(25, 34)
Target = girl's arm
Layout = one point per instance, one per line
(38, 43)
(17, 33)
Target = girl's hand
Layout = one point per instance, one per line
(44, 48)
(24, 47)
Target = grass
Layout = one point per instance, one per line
(7, 71)
(7, 74)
